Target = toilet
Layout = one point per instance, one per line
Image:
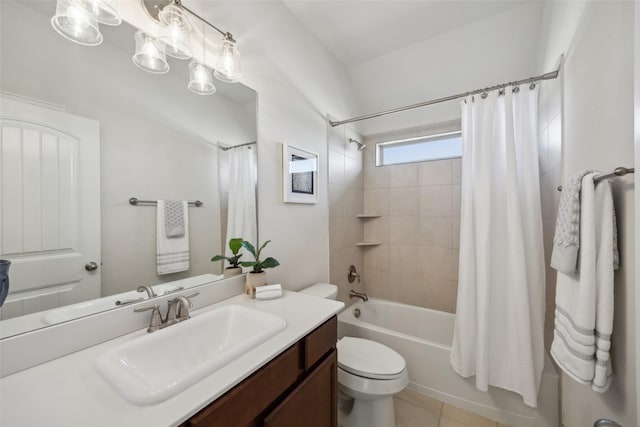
(369, 373)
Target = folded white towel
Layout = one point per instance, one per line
(584, 300)
(269, 291)
(172, 252)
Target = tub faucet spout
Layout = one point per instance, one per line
(361, 295)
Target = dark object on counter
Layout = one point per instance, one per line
(4, 279)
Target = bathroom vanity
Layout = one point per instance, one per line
(287, 380)
(296, 388)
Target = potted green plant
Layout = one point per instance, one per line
(234, 268)
(257, 276)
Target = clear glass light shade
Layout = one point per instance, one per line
(74, 23)
(102, 10)
(228, 65)
(200, 79)
(177, 27)
(149, 55)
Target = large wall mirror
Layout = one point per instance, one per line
(83, 131)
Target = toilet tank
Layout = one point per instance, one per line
(322, 290)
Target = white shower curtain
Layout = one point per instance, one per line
(499, 327)
(241, 218)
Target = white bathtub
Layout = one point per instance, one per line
(423, 337)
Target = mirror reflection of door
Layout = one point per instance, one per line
(50, 206)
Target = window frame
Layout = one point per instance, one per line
(408, 141)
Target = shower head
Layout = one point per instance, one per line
(360, 145)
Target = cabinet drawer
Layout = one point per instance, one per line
(244, 403)
(313, 402)
(320, 342)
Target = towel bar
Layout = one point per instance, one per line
(135, 202)
(619, 171)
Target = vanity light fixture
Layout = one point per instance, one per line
(78, 21)
(149, 55)
(176, 42)
(201, 76)
(73, 22)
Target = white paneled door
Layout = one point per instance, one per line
(49, 206)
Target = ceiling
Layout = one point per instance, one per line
(356, 31)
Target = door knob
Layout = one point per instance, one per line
(90, 266)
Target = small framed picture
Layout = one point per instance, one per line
(299, 175)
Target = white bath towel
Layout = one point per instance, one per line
(172, 252)
(584, 300)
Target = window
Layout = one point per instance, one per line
(423, 148)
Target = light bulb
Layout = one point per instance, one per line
(228, 65)
(149, 55)
(200, 79)
(75, 23)
(177, 29)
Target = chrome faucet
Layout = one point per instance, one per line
(362, 295)
(148, 289)
(177, 311)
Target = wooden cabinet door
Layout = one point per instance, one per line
(313, 402)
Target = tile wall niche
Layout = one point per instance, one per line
(345, 202)
(418, 228)
(550, 155)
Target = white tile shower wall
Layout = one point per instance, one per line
(418, 227)
(345, 202)
(550, 155)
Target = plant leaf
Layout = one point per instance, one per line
(269, 263)
(261, 248)
(235, 244)
(219, 258)
(248, 246)
(248, 263)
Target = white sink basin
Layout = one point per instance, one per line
(159, 365)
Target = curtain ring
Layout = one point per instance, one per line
(516, 89)
(484, 95)
(501, 92)
(532, 86)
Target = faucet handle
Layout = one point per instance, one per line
(192, 295)
(156, 317)
(172, 291)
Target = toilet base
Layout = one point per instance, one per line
(371, 413)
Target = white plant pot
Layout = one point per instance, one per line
(254, 280)
(232, 271)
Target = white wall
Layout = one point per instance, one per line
(494, 50)
(298, 83)
(597, 39)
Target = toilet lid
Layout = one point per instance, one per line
(369, 359)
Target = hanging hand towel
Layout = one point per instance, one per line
(172, 252)
(174, 213)
(584, 300)
(566, 241)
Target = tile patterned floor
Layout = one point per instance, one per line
(416, 410)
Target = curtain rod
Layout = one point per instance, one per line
(546, 76)
(227, 148)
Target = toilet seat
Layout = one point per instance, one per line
(369, 359)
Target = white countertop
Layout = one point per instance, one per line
(69, 392)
